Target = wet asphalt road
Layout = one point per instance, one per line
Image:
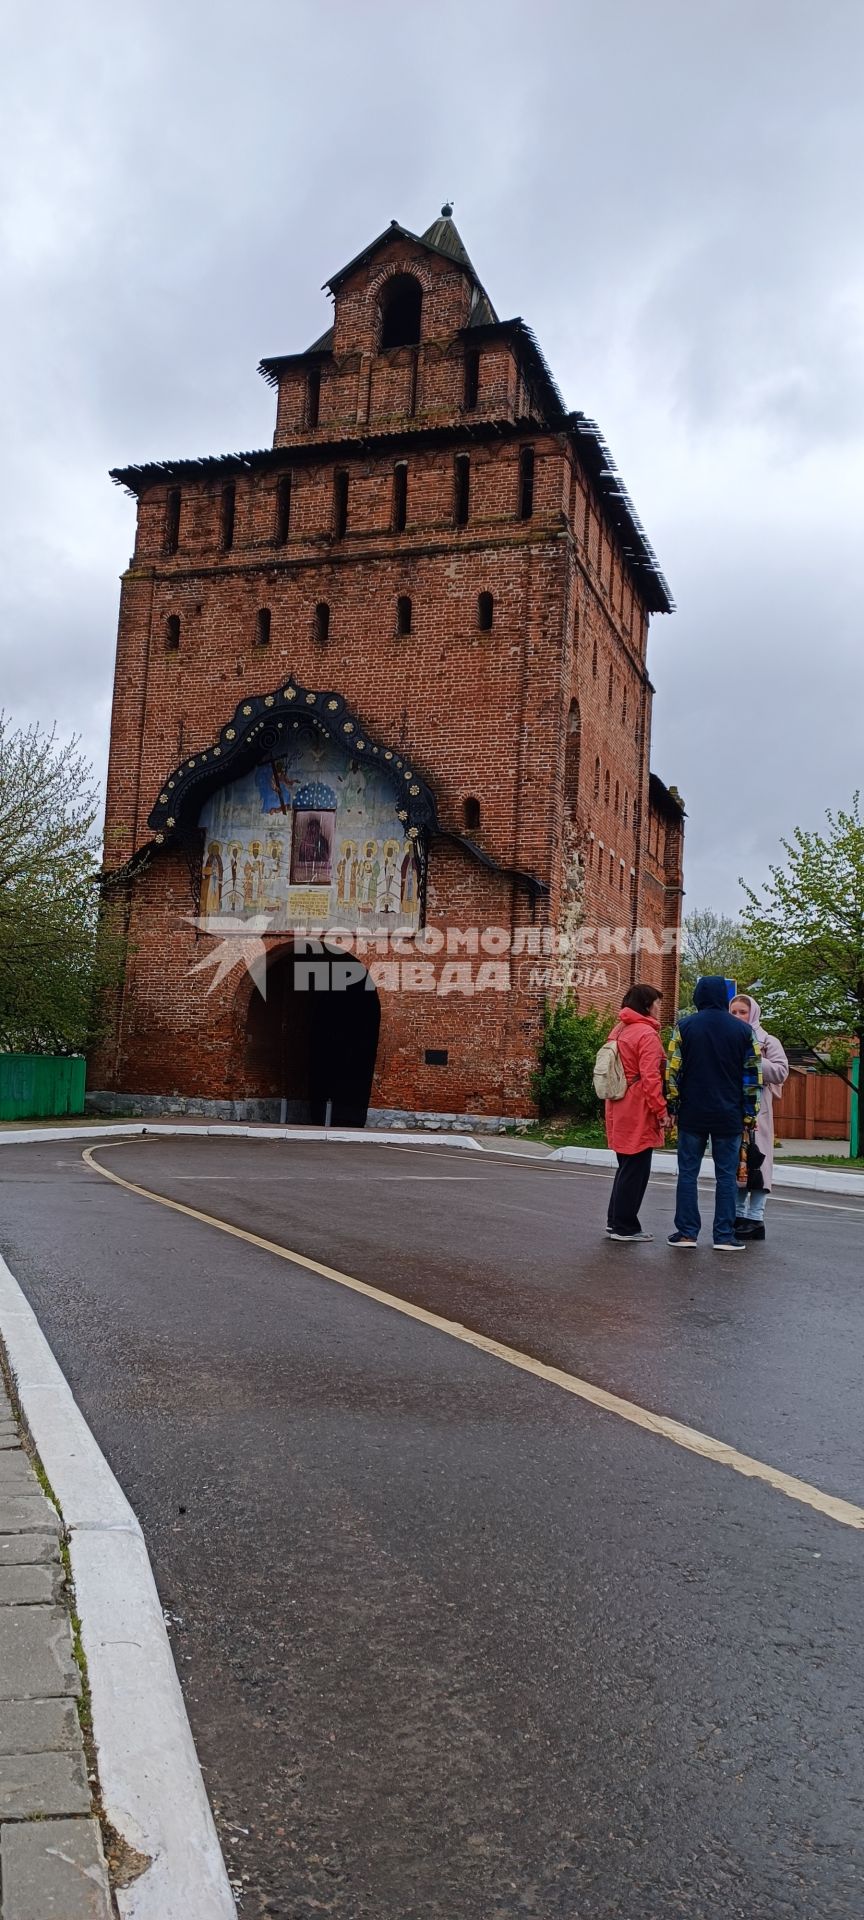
(452, 1642)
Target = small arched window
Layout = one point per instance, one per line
(597, 777)
(624, 708)
(611, 682)
(611, 867)
(471, 813)
(172, 632)
(485, 612)
(606, 787)
(403, 614)
(626, 805)
(401, 311)
(400, 496)
(617, 795)
(621, 878)
(262, 627)
(321, 622)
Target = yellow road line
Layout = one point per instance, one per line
(843, 1511)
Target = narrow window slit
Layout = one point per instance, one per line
(400, 496)
(283, 509)
(172, 520)
(229, 497)
(461, 489)
(340, 504)
(526, 483)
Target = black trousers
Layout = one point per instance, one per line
(628, 1191)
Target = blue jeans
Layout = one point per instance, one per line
(724, 1149)
(751, 1206)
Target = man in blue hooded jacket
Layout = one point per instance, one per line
(713, 1080)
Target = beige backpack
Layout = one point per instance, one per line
(610, 1080)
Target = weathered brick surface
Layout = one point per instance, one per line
(544, 720)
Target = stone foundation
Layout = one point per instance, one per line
(159, 1106)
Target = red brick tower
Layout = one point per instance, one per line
(387, 675)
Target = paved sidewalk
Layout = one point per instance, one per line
(52, 1866)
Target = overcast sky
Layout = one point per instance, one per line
(668, 191)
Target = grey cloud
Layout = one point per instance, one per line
(668, 193)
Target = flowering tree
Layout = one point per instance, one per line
(49, 899)
(804, 938)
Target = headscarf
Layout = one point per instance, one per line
(755, 1016)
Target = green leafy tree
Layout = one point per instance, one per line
(571, 1040)
(804, 940)
(52, 951)
(712, 944)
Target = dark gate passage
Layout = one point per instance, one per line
(313, 1041)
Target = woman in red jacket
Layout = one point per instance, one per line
(636, 1124)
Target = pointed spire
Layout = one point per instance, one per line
(443, 235)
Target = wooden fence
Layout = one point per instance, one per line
(813, 1106)
(39, 1085)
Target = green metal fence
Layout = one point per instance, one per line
(37, 1085)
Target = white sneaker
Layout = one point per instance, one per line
(729, 1246)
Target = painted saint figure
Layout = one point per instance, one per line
(409, 875)
(367, 877)
(389, 884)
(346, 875)
(313, 842)
(211, 880)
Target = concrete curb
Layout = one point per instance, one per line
(152, 1789)
(240, 1129)
(819, 1179)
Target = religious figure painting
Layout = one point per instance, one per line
(312, 848)
(309, 835)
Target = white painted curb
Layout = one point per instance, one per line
(151, 1782)
(820, 1179)
(237, 1129)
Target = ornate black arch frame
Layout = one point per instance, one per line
(259, 725)
(262, 723)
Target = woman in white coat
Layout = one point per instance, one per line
(750, 1223)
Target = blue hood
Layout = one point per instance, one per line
(711, 991)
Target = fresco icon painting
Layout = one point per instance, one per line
(309, 833)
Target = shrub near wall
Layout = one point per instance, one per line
(564, 1081)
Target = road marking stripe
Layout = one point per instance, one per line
(843, 1511)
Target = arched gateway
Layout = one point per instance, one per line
(311, 1042)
